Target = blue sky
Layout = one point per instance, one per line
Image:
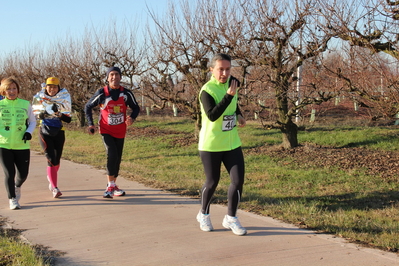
(27, 23)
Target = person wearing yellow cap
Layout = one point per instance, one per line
(52, 105)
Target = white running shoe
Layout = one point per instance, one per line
(18, 193)
(56, 193)
(233, 223)
(119, 192)
(14, 205)
(205, 221)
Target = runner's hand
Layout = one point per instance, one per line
(241, 121)
(91, 130)
(233, 86)
(129, 121)
(54, 108)
(27, 136)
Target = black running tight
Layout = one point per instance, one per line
(234, 162)
(11, 160)
(114, 149)
(53, 147)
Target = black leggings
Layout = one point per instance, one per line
(114, 149)
(52, 147)
(234, 162)
(11, 159)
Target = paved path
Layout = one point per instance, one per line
(153, 227)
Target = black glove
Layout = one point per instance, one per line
(54, 108)
(27, 136)
(233, 78)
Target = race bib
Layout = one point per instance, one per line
(229, 122)
(116, 119)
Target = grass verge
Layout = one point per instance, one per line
(13, 251)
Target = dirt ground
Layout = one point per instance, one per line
(378, 163)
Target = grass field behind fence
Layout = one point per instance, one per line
(324, 199)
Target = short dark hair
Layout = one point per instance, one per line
(218, 57)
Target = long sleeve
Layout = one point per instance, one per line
(31, 120)
(132, 103)
(93, 102)
(214, 111)
(65, 118)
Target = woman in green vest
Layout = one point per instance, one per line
(17, 123)
(219, 142)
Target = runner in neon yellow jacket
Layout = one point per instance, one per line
(17, 123)
(218, 131)
(14, 114)
(219, 142)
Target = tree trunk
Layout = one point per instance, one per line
(290, 135)
(288, 128)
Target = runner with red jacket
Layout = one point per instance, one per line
(113, 101)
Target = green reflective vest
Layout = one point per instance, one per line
(13, 124)
(219, 135)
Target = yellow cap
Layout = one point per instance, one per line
(53, 81)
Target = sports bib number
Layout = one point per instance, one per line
(229, 122)
(115, 119)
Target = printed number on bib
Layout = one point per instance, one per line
(115, 119)
(229, 122)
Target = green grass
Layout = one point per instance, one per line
(13, 252)
(350, 204)
(383, 138)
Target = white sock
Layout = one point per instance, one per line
(111, 183)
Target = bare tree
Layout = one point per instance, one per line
(83, 62)
(80, 70)
(268, 41)
(121, 45)
(28, 67)
(366, 23)
(370, 25)
(276, 38)
(177, 52)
